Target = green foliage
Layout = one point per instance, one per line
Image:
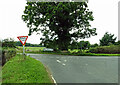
(30, 49)
(20, 70)
(8, 49)
(59, 22)
(73, 45)
(113, 49)
(18, 43)
(80, 45)
(8, 43)
(9, 53)
(94, 45)
(84, 45)
(76, 52)
(117, 43)
(51, 44)
(107, 39)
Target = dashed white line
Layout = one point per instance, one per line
(63, 64)
(58, 61)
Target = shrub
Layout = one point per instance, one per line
(113, 49)
(9, 53)
(8, 43)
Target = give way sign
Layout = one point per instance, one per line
(22, 39)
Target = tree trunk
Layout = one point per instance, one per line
(64, 42)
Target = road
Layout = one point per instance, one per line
(81, 69)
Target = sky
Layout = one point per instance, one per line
(105, 14)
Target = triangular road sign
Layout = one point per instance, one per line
(22, 39)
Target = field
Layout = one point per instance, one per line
(32, 49)
(76, 52)
(38, 49)
(24, 70)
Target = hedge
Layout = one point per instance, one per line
(113, 49)
(7, 54)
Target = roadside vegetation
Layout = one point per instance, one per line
(8, 50)
(30, 49)
(18, 68)
(112, 50)
(24, 69)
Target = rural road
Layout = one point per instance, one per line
(81, 69)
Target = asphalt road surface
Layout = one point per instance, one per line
(81, 69)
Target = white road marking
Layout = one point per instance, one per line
(54, 80)
(63, 64)
(58, 61)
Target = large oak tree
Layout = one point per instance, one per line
(59, 22)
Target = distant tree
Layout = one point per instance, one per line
(50, 44)
(107, 39)
(60, 22)
(8, 43)
(18, 43)
(27, 44)
(94, 45)
(84, 45)
(73, 45)
(117, 43)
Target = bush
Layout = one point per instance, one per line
(7, 54)
(8, 43)
(113, 49)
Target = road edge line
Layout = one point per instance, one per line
(54, 80)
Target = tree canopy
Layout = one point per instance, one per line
(59, 22)
(107, 39)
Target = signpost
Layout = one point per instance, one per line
(23, 40)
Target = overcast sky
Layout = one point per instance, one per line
(105, 14)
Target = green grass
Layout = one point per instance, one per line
(28, 70)
(75, 52)
(31, 48)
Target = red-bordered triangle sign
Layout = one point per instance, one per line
(22, 39)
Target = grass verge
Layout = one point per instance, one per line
(24, 70)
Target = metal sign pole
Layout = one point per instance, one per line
(23, 50)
